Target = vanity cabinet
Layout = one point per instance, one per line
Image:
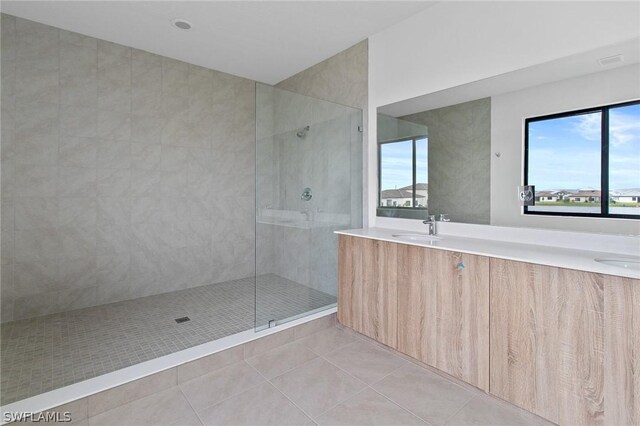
(432, 305)
(367, 293)
(565, 344)
(561, 343)
(443, 319)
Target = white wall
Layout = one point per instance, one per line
(508, 112)
(454, 43)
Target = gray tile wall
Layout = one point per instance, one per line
(124, 173)
(343, 79)
(459, 160)
(310, 256)
(287, 164)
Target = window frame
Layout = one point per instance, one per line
(604, 159)
(413, 140)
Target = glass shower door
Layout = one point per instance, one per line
(308, 184)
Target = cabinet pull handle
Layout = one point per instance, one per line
(460, 265)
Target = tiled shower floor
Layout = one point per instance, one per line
(45, 353)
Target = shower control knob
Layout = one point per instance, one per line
(306, 194)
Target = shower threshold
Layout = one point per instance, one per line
(87, 349)
(76, 391)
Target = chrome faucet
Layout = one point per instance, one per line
(431, 224)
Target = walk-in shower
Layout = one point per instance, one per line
(168, 223)
(304, 191)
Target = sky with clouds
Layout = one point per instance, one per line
(396, 163)
(564, 153)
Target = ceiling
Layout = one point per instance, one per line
(266, 41)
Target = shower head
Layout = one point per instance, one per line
(302, 133)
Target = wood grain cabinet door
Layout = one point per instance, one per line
(547, 341)
(443, 311)
(621, 351)
(367, 287)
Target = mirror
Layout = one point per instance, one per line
(451, 161)
(473, 135)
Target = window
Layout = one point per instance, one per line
(585, 163)
(403, 173)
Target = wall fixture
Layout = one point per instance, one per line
(306, 194)
(527, 195)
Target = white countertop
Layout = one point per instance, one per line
(582, 260)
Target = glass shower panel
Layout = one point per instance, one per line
(308, 184)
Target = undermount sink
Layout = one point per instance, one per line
(416, 237)
(621, 262)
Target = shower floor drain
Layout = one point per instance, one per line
(183, 319)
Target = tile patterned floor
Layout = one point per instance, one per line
(45, 353)
(333, 377)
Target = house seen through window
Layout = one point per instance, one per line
(403, 173)
(585, 163)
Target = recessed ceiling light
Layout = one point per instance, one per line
(181, 24)
(610, 60)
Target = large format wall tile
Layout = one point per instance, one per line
(329, 160)
(459, 159)
(124, 173)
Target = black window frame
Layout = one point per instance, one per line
(604, 159)
(413, 140)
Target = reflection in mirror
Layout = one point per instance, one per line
(402, 168)
(451, 170)
(476, 143)
(459, 159)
